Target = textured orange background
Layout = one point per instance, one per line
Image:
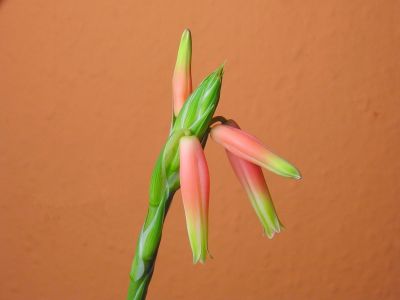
(85, 107)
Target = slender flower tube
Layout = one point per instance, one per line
(251, 149)
(195, 188)
(253, 181)
(182, 78)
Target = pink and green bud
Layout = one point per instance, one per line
(182, 79)
(251, 149)
(199, 108)
(195, 188)
(194, 119)
(252, 179)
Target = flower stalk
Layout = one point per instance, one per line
(182, 164)
(193, 119)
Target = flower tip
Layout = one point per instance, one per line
(184, 52)
(296, 174)
(182, 78)
(293, 171)
(199, 259)
(186, 33)
(270, 235)
(282, 167)
(186, 38)
(270, 231)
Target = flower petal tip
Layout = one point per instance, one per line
(201, 260)
(273, 228)
(270, 235)
(182, 80)
(296, 174)
(284, 168)
(272, 232)
(186, 33)
(201, 257)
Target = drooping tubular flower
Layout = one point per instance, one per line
(250, 148)
(252, 179)
(195, 189)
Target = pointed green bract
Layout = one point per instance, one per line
(199, 108)
(193, 119)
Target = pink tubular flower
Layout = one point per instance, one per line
(251, 149)
(182, 78)
(253, 181)
(195, 187)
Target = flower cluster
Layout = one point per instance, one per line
(246, 154)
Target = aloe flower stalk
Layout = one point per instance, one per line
(195, 189)
(194, 119)
(252, 179)
(181, 163)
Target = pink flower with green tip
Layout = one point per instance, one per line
(250, 148)
(182, 78)
(252, 179)
(195, 189)
(247, 155)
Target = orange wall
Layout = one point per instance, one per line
(85, 90)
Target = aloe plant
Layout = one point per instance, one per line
(182, 164)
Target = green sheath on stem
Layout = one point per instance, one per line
(194, 119)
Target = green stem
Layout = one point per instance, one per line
(147, 249)
(163, 185)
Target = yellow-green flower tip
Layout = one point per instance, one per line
(184, 57)
(282, 167)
